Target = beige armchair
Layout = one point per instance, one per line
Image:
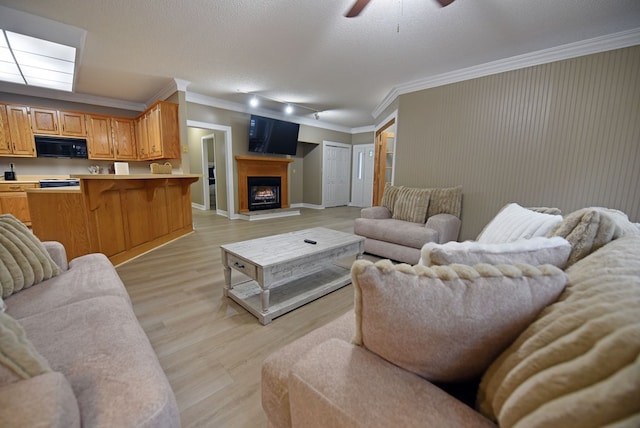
(408, 219)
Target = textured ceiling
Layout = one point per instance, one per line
(305, 51)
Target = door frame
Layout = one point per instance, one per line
(228, 148)
(205, 170)
(389, 121)
(326, 143)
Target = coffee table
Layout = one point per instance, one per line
(285, 271)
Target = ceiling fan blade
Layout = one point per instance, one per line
(357, 8)
(444, 3)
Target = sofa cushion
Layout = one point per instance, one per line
(276, 367)
(411, 205)
(588, 229)
(23, 259)
(389, 196)
(336, 384)
(89, 276)
(445, 200)
(577, 364)
(400, 232)
(19, 359)
(514, 222)
(100, 347)
(447, 323)
(534, 251)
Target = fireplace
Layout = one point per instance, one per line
(264, 193)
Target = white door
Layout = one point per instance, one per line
(336, 173)
(362, 175)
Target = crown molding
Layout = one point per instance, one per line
(571, 50)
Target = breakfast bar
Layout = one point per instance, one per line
(121, 216)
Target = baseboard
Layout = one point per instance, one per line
(198, 206)
(310, 206)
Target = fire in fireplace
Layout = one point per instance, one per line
(264, 193)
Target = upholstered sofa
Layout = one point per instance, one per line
(473, 344)
(407, 219)
(72, 352)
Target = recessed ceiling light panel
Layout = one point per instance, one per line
(36, 62)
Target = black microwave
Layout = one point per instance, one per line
(60, 147)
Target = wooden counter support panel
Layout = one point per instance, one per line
(249, 166)
(124, 216)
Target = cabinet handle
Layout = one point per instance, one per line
(238, 265)
(14, 188)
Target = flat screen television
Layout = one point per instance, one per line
(275, 136)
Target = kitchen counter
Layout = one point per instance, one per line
(64, 189)
(121, 216)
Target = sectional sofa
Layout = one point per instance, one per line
(72, 352)
(475, 336)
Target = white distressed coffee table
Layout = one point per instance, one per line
(286, 272)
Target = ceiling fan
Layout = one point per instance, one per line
(360, 4)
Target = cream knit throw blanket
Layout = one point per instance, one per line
(578, 364)
(23, 259)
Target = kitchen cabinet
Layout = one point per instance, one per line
(44, 121)
(163, 131)
(20, 136)
(57, 122)
(99, 144)
(124, 138)
(111, 138)
(5, 137)
(72, 124)
(13, 200)
(142, 137)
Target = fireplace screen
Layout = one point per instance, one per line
(264, 193)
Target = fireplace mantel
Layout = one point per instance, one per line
(252, 166)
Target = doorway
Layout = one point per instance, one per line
(362, 175)
(385, 147)
(225, 204)
(209, 171)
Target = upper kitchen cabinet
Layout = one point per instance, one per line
(124, 138)
(57, 122)
(5, 137)
(72, 124)
(99, 141)
(44, 121)
(110, 138)
(18, 129)
(142, 136)
(163, 131)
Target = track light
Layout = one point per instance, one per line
(289, 107)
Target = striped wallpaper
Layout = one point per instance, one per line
(564, 134)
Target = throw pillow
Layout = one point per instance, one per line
(534, 251)
(577, 364)
(23, 259)
(514, 222)
(411, 205)
(447, 323)
(445, 200)
(588, 229)
(18, 357)
(546, 210)
(389, 196)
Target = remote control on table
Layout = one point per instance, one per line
(310, 241)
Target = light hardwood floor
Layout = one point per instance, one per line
(210, 348)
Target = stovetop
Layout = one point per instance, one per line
(59, 182)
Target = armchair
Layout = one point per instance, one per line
(408, 219)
